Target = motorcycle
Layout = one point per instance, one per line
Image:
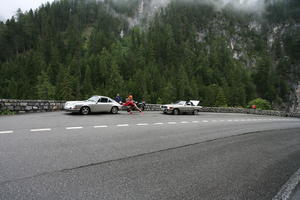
(141, 105)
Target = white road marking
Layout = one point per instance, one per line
(102, 126)
(159, 123)
(222, 120)
(74, 128)
(122, 125)
(287, 189)
(40, 130)
(172, 122)
(205, 121)
(195, 121)
(243, 120)
(184, 122)
(5, 132)
(142, 124)
(230, 120)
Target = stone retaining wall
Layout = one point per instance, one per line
(249, 111)
(22, 106)
(156, 107)
(298, 98)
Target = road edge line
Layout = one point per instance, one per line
(287, 190)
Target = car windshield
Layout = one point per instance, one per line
(180, 102)
(93, 99)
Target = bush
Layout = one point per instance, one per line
(7, 112)
(260, 103)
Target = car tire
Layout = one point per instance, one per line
(195, 112)
(85, 110)
(176, 111)
(114, 110)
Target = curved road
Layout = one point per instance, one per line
(150, 156)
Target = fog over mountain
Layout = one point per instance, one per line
(247, 5)
(148, 8)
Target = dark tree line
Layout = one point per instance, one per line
(72, 49)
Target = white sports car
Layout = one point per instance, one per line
(181, 107)
(93, 104)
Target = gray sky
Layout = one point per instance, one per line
(8, 8)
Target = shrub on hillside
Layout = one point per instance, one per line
(260, 103)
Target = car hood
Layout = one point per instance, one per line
(79, 102)
(171, 105)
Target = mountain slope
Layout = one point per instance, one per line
(72, 49)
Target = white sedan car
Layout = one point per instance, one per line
(181, 107)
(93, 104)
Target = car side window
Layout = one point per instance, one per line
(103, 100)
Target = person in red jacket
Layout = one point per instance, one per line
(130, 104)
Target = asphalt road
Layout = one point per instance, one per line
(151, 156)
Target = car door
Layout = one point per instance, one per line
(103, 105)
(189, 107)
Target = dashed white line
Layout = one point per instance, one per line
(102, 126)
(195, 121)
(142, 124)
(184, 122)
(40, 129)
(5, 132)
(74, 128)
(222, 120)
(159, 123)
(172, 122)
(205, 121)
(122, 125)
(229, 120)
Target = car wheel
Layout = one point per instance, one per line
(85, 110)
(176, 111)
(114, 110)
(195, 112)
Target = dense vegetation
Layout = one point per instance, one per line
(72, 49)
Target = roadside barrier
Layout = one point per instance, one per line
(24, 106)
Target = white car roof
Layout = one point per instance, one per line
(101, 96)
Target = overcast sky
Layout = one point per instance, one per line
(8, 8)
